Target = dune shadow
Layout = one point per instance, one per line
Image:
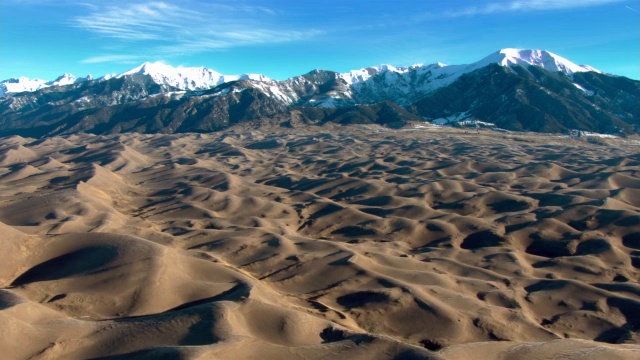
(632, 240)
(236, 293)
(482, 239)
(593, 247)
(71, 264)
(8, 299)
(509, 205)
(546, 285)
(362, 298)
(162, 353)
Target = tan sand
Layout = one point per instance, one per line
(320, 243)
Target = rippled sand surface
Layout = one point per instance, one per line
(324, 243)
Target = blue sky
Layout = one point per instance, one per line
(284, 38)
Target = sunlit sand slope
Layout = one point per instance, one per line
(325, 243)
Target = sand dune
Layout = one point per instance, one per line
(329, 242)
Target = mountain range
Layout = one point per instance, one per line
(524, 90)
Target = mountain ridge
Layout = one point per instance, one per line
(202, 78)
(524, 90)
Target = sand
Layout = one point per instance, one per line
(320, 243)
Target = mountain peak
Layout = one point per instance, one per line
(360, 75)
(397, 79)
(541, 58)
(64, 79)
(480, 91)
(21, 84)
(149, 68)
(187, 78)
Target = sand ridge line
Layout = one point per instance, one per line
(353, 241)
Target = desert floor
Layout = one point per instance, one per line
(324, 243)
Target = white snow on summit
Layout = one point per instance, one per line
(355, 76)
(403, 85)
(20, 84)
(65, 79)
(541, 58)
(24, 84)
(187, 78)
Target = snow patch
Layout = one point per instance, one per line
(476, 123)
(588, 92)
(451, 118)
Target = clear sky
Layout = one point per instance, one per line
(284, 38)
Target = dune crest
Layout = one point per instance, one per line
(360, 242)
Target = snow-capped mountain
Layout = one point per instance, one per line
(541, 58)
(182, 78)
(24, 84)
(187, 78)
(399, 84)
(64, 79)
(21, 84)
(356, 76)
(404, 85)
(516, 89)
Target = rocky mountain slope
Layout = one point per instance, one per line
(534, 99)
(515, 89)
